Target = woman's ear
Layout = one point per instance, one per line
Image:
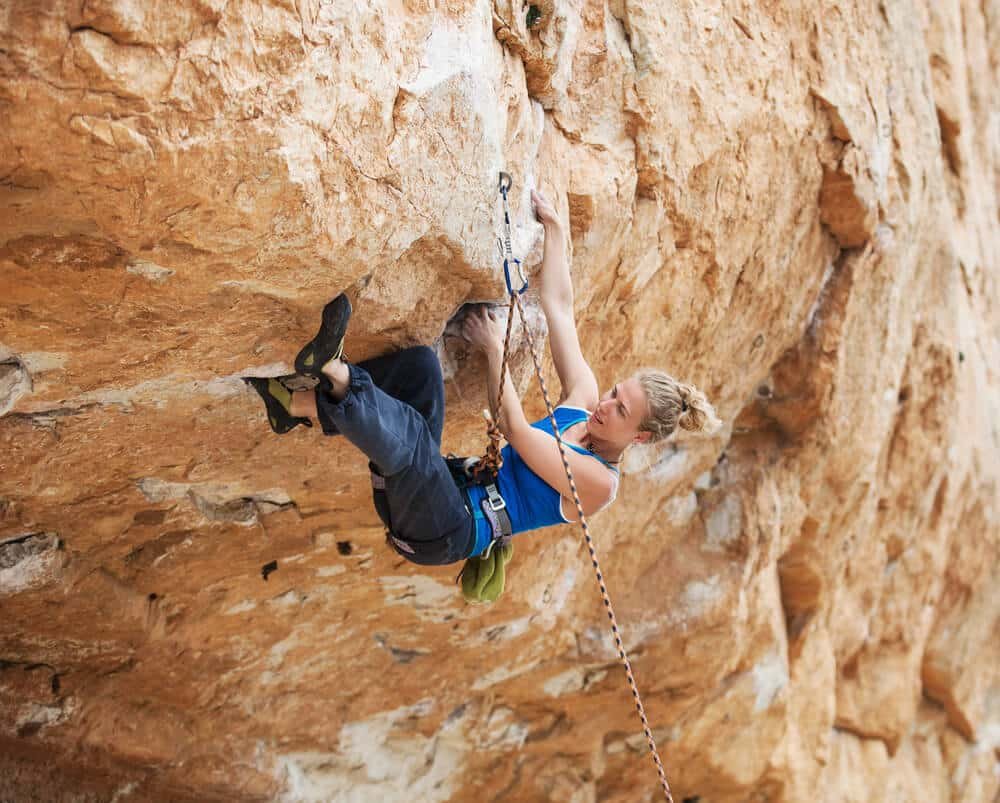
(643, 437)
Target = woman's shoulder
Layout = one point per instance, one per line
(573, 411)
(580, 399)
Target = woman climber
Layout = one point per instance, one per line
(392, 408)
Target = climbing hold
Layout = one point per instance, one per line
(267, 568)
(15, 382)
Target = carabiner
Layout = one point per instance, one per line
(520, 275)
(505, 248)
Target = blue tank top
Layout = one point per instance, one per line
(531, 501)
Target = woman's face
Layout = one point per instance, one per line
(619, 413)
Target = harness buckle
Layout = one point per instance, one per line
(496, 502)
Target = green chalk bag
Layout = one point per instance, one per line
(483, 576)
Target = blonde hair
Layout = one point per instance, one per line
(674, 404)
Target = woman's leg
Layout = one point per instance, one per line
(426, 508)
(340, 377)
(382, 427)
(412, 375)
(304, 404)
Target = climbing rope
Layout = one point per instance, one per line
(493, 454)
(491, 462)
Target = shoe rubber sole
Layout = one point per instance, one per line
(278, 417)
(329, 341)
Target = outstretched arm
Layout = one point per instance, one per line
(578, 383)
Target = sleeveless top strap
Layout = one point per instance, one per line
(580, 449)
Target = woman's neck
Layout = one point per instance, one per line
(609, 452)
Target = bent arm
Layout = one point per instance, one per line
(510, 416)
(540, 452)
(556, 294)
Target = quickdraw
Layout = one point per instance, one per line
(492, 461)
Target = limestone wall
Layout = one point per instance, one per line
(792, 205)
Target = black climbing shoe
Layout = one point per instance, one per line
(278, 400)
(329, 341)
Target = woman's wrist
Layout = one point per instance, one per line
(494, 353)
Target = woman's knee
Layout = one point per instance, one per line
(423, 370)
(423, 358)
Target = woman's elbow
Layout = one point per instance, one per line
(512, 433)
(557, 304)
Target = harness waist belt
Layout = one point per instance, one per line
(494, 508)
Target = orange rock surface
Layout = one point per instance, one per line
(792, 205)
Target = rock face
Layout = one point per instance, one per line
(794, 206)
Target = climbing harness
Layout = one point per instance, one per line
(483, 577)
(493, 509)
(492, 461)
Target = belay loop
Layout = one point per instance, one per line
(492, 461)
